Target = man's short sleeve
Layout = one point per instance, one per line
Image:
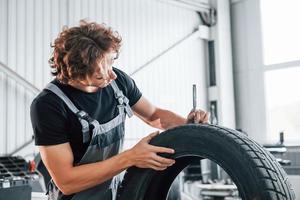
(48, 120)
(128, 85)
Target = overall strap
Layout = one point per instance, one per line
(82, 116)
(123, 100)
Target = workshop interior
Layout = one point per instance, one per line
(237, 59)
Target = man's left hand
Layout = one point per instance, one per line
(198, 116)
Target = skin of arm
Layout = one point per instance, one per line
(165, 119)
(70, 179)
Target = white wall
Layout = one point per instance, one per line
(148, 27)
(248, 68)
(223, 92)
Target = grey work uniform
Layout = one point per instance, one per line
(105, 142)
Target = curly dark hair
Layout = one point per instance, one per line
(78, 49)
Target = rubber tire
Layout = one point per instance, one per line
(254, 170)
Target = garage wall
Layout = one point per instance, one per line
(248, 69)
(148, 28)
(27, 28)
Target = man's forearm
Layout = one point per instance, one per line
(88, 175)
(165, 119)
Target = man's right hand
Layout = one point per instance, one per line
(144, 155)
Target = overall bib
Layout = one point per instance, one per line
(106, 141)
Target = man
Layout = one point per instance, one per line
(78, 119)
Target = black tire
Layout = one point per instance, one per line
(255, 171)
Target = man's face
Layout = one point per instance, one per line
(103, 73)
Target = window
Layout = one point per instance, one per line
(281, 30)
(281, 48)
(283, 103)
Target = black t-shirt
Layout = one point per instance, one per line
(54, 123)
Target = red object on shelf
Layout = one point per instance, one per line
(32, 166)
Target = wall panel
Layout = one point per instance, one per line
(147, 27)
(11, 84)
(3, 81)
